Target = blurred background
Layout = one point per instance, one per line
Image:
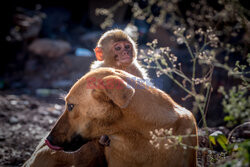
(47, 45)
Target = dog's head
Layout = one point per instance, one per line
(93, 105)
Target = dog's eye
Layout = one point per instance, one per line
(70, 107)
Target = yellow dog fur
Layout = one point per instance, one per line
(126, 114)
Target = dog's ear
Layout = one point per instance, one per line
(119, 91)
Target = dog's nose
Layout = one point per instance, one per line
(50, 139)
(50, 144)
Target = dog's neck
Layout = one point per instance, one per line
(130, 143)
(124, 147)
(132, 137)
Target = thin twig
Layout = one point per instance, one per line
(237, 127)
(209, 91)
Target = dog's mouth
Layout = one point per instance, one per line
(76, 143)
(53, 147)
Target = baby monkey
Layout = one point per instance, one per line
(116, 49)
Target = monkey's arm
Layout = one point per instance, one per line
(138, 70)
(96, 64)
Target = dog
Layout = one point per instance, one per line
(111, 102)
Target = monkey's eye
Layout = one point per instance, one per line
(117, 48)
(70, 107)
(127, 46)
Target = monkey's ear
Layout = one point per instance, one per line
(119, 91)
(98, 53)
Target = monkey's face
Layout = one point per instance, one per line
(123, 51)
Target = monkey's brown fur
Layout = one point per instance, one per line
(105, 43)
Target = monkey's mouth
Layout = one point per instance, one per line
(123, 59)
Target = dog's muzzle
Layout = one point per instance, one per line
(76, 142)
(48, 142)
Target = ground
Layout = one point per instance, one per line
(24, 120)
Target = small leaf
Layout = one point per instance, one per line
(237, 63)
(180, 139)
(228, 118)
(220, 138)
(248, 58)
(212, 139)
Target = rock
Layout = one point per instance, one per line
(90, 39)
(2, 138)
(13, 102)
(83, 52)
(49, 48)
(13, 120)
(33, 106)
(58, 74)
(61, 84)
(58, 107)
(31, 25)
(28, 25)
(42, 92)
(42, 112)
(55, 113)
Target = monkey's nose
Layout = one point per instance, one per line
(125, 53)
